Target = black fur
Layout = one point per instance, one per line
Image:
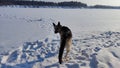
(65, 33)
(61, 50)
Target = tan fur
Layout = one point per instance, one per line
(65, 41)
(68, 46)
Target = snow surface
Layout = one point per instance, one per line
(97, 51)
(27, 39)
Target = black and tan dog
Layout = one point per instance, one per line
(65, 41)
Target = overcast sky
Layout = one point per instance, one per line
(93, 2)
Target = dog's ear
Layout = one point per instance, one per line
(54, 24)
(59, 23)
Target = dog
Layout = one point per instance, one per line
(65, 40)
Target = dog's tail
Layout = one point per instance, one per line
(62, 46)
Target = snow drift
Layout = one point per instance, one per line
(96, 51)
(27, 39)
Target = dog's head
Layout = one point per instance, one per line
(57, 28)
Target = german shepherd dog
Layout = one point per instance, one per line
(65, 41)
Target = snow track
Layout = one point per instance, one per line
(96, 51)
(27, 39)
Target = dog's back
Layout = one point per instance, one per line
(66, 35)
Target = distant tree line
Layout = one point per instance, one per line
(104, 7)
(72, 4)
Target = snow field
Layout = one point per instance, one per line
(97, 51)
(27, 39)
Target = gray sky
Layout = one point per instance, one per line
(93, 2)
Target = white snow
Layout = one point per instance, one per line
(27, 39)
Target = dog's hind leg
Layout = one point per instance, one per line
(68, 48)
